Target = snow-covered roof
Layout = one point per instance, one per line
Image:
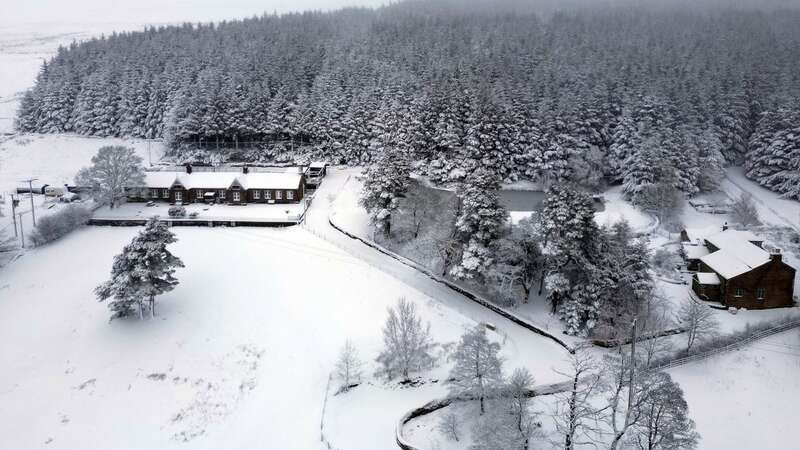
(267, 180)
(223, 180)
(695, 251)
(726, 264)
(707, 278)
(159, 179)
(727, 236)
(738, 244)
(695, 234)
(207, 180)
(317, 164)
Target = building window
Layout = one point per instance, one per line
(278, 195)
(267, 195)
(154, 193)
(165, 193)
(289, 195)
(738, 292)
(236, 196)
(221, 194)
(256, 195)
(760, 293)
(198, 194)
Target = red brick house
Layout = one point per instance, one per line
(738, 272)
(235, 188)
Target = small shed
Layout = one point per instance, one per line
(706, 285)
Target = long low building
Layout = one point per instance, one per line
(236, 188)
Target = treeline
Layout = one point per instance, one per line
(639, 95)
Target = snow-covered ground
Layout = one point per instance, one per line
(746, 399)
(261, 212)
(239, 354)
(617, 209)
(53, 160)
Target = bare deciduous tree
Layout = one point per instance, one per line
(448, 426)
(620, 416)
(575, 418)
(699, 321)
(113, 168)
(744, 211)
(407, 342)
(348, 366)
(478, 367)
(665, 422)
(518, 397)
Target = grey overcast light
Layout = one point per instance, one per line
(399, 224)
(156, 11)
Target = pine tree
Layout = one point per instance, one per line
(479, 224)
(144, 270)
(571, 236)
(386, 180)
(774, 156)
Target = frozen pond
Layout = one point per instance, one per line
(522, 200)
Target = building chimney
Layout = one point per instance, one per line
(245, 170)
(725, 226)
(775, 254)
(188, 168)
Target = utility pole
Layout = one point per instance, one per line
(21, 232)
(633, 366)
(30, 192)
(14, 203)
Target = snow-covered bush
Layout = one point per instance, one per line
(177, 211)
(49, 228)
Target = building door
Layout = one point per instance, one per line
(178, 196)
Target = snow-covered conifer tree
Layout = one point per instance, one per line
(479, 224)
(144, 270)
(385, 182)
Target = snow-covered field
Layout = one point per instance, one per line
(239, 353)
(746, 399)
(53, 160)
(260, 212)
